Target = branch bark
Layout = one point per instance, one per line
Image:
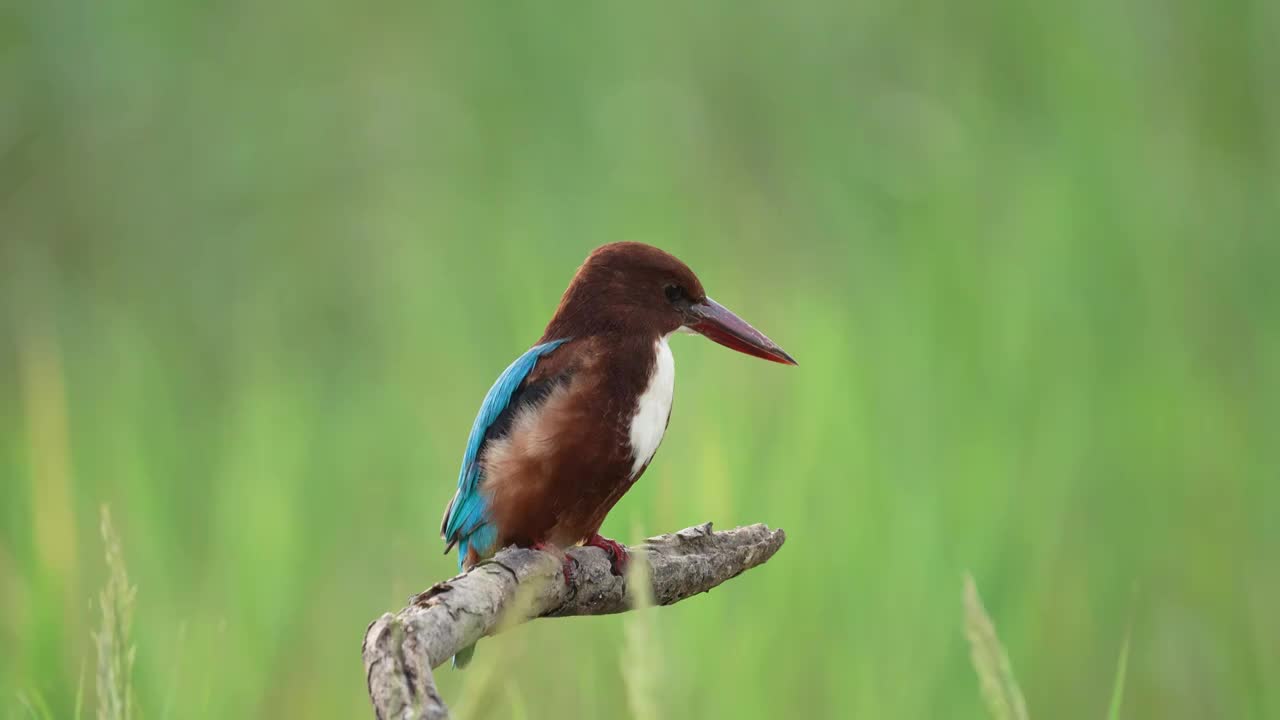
(400, 650)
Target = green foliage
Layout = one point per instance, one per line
(259, 263)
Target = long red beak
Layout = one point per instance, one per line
(717, 322)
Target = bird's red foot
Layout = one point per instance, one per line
(617, 552)
(567, 564)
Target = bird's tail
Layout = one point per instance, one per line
(463, 658)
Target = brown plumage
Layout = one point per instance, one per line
(562, 454)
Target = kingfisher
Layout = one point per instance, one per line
(574, 422)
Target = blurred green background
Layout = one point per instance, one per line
(259, 263)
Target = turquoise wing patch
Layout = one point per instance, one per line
(466, 520)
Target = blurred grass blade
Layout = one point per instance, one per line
(518, 708)
(80, 692)
(171, 698)
(115, 653)
(35, 705)
(1122, 669)
(640, 655)
(495, 658)
(990, 660)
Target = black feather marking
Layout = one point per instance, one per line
(527, 395)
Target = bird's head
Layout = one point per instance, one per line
(636, 288)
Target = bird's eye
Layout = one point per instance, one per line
(675, 293)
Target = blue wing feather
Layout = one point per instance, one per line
(466, 519)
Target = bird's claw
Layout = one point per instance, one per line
(568, 565)
(619, 558)
(569, 568)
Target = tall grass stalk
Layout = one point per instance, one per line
(1122, 670)
(80, 692)
(641, 658)
(483, 673)
(990, 660)
(115, 650)
(171, 698)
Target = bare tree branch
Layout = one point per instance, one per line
(400, 650)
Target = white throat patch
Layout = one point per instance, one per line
(654, 408)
